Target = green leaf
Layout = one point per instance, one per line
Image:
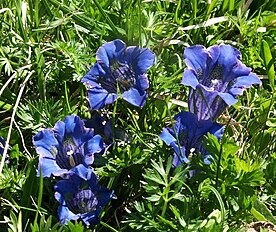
(261, 212)
(154, 198)
(268, 62)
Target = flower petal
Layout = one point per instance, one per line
(2, 145)
(213, 52)
(109, 52)
(93, 146)
(135, 97)
(167, 137)
(190, 78)
(228, 98)
(84, 173)
(141, 59)
(46, 162)
(142, 82)
(59, 131)
(229, 60)
(91, 77)
(99, 97)
(105, 196)
(46, 139)
(217, 130)
(91, 217)
(244, 82)
(179, 159)
(196, 58)
(66, 215)
(65, 186)
(74, 125)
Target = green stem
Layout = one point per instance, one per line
(220, 154)
(165, 205)
(108, 226)
(66, 97)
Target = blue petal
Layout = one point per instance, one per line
(59, 131)
(205, 103)
(83, 172)
(65, 186)
(93, 146)
(167, 137)
(135, 97)
(104, 196)
(178, 159)
(92, 217)
(213, 53)
(142, 82)
(47, 162)
(229, 60)
(75, 128)
(2, 145)
(190, 78)
(186, 120)
(46, 139)
(74, 125)
(92, 180)
(217, 130)
(206, 159)
(196, 58)
(99, 97)
(244, 82)
(228, 98)
(91, 77)
(195, 128)
(109, 51)
(66, 215)
(141, 59)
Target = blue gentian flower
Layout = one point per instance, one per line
(2, 145)
(81, 197)
(119, 70)
(65, 146)
(216, 76)
(186, 137)
(102, 125)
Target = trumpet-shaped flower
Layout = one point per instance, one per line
(186, 136)
(101, 125)
(216, 76)
(65, 146)
(119, 70)
(81, 197)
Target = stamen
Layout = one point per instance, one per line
(70, 153)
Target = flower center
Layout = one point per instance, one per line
(70, 156)
(84, 201)
(214, 80)
(125, 77)
(122, 77)
(183, 137)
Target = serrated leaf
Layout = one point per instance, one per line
(154, 198)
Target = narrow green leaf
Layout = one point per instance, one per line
(194, 7)
(268, 62)
(5, 106)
